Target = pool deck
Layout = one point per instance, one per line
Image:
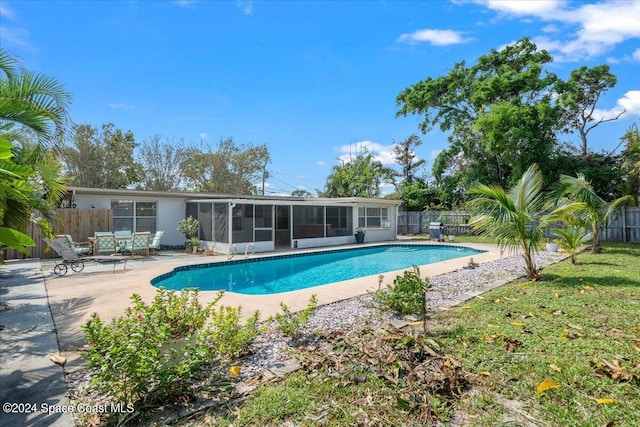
(98, 289)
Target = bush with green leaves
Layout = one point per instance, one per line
(292, 324)
(229, 337)
(151, 353)
(189, 227)
(407, 295)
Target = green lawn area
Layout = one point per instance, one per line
(576, 330)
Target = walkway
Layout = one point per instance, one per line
(30, 384)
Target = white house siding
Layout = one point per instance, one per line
(171, 208)
(168, 212)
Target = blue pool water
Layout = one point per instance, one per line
(275, 274)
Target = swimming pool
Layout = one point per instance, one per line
(283, 273)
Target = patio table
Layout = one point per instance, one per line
(119, 242)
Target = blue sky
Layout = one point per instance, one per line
(312, 80)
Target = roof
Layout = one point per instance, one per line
(218, 196)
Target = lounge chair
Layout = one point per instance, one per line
(80, 248)
(154, 246)
(75, 261)
(139, 243)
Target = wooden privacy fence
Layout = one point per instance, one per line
(624, 227)
(80, 223)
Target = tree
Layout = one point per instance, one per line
(516, 218)
(102, 159)
(603, 170)
(32, 104)
(33, 122)
(579, 96)
(301, 193)
(499, 113)
(571, 239)
(404, 154)
(595, 210)
(231, 169)
(631, 165)
(362, 176)
(161, 160)
(417, 195)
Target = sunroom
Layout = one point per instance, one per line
(245, 226)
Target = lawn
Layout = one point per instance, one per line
(561, 351)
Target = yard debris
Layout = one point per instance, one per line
(413, 364)
(57, 359)
(617, 371)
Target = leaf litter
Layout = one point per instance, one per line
(419, 373)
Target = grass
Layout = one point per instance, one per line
(579, 327)
(563, 328)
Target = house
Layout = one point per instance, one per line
(239, 223)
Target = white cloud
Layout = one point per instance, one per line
(321, 163)
(14, 36)
(593, 29)
(183, 3)
(5, 12)
(434, 37)
(629, 103)
(636, 55)
(246, 7)
(524, 8)
(382, 153)
(120, 106)
(203, 135)
(434, 154)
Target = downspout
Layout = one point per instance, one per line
(230, 220)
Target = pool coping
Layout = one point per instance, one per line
(299, 254)
(75, 297)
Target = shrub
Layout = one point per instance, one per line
(189, 227)
(228, 336)
(150, 353)
(407, 295)
(292, 324)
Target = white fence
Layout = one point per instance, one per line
(625, 227)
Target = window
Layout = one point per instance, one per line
(339, 221)
(264, 216)
(263, 223)
(134, 216)
(308, 222)
(373, 217)
(237, 218)
(337, 217)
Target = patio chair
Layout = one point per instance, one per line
(104, 243)
(80, 248)
(154, 246)
(139, 243)
(75, 261)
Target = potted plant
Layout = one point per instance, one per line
(189, 227)
(359, 235)
(194, 244)
(552, 246)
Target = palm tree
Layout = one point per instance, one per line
(571, 239)
(32, 107)
(516, 218)
(596, 210)
(32, 103)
